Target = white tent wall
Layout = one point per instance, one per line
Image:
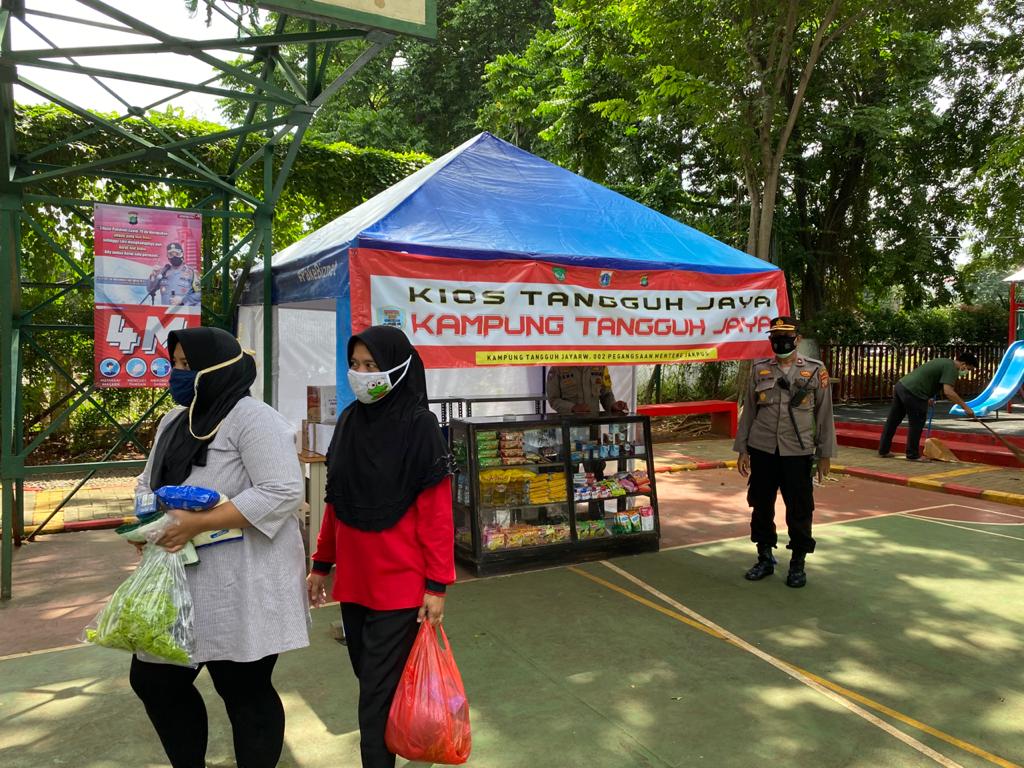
(303, 354)
(250, 335)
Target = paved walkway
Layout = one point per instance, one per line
(981, 481)
(98, 503)
(1007, 424)
(106, 502)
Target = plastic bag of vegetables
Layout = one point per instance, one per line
(150, 614)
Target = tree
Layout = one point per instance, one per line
(986, 119)
(802, 133)
(872, 204)
(419, 95)
(743, 70)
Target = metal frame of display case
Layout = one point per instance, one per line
(485, 562)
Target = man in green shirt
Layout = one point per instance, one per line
(914, 392)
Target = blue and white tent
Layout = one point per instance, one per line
(486, 199)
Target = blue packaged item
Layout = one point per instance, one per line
(145, 505)
(188, 497)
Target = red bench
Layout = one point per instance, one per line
(723, 413)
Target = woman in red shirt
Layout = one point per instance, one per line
(387, 523)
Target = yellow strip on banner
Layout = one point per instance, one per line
(595, 356)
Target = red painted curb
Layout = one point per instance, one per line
(963, 490)
(711, 465)
(91, 525)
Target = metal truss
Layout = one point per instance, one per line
(280, 101)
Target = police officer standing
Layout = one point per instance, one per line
(786, 422)
(582, 389)
(177, 281)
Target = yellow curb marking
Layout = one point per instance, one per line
(1005, 497)
(930, 485)
(835, 692)
(958, 472)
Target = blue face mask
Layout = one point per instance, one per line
(182, 385)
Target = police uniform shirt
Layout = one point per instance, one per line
(179, 282)
(572, 385)
(765, 423)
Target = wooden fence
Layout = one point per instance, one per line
(869, 371)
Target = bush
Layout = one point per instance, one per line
(686, 382)
(937, 326)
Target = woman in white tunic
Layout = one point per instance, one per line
(249, 593)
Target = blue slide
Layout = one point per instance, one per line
(1004, 385)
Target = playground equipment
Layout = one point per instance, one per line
(1004, 385)
(1009, 378)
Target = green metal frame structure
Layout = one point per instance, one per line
(256, 77)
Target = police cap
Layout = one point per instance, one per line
(783, 324)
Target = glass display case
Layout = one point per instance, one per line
(532, 490)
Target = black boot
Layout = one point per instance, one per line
(796, 577)
(765, 565)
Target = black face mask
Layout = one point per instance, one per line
(783, 345)
(176, 261)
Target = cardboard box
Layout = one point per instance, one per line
(322, 404)
(322, 435)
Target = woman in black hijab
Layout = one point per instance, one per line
(387, 523)
(248, 596)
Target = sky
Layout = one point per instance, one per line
(169, 16)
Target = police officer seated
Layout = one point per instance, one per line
(583, 390)
(786, 422)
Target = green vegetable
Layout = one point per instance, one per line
(150, 612)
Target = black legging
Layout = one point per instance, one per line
(178, 713)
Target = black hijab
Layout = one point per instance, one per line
(184, 442)
(385, 453)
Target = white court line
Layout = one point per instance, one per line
(961, 506)
(964, 527)
(925, 509)
(965, 522)
(842, 701)
(994, 512)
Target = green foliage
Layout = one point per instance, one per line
(325, 181)
(686, 382)
(415, 94)
(985, 85)
(674, 104)
(985, 324)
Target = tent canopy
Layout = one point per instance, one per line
(1016, 277)
(488, 199)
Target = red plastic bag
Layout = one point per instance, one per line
(429, 718)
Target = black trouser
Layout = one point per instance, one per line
(378, 646)
(770, 473)
(905, 403)
(178, 713)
